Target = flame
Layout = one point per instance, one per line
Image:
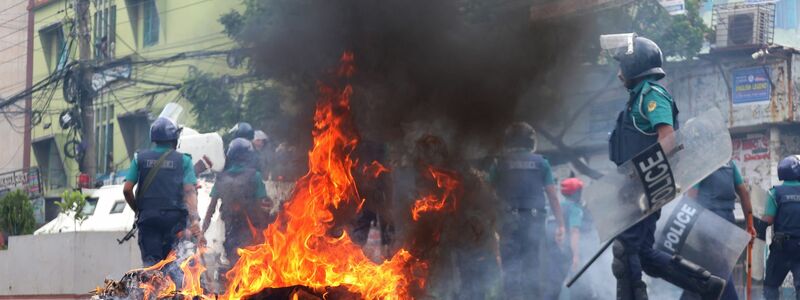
(302, 247)
(449, 183)
(299, 248)
(374, 169)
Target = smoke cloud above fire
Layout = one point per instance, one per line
(467, 67)
(459, 69)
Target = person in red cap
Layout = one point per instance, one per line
(573, 216)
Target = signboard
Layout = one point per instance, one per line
(19, 179)
(751, 85)
(674, 7)
(109, 75)
(752, 155)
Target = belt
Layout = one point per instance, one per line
(532, 211)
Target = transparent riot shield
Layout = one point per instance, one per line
(688, 229)
(758, 199)
(206, 147)
(617, 201)
(172, 111)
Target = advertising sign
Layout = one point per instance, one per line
(674, 7)
(751, 85)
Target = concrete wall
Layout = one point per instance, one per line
(65, 264)
(14, 33)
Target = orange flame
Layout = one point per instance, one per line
(299, 248)
(374, 169)
(449, 183)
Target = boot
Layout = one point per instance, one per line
(694, 278)
(627, 288)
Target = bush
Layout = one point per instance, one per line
(16, 214)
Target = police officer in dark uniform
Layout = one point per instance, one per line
(243, 130)
(166, 198)
(717, 193)
(244, 199)
(783, 212)
(649, 117)
(521, 179)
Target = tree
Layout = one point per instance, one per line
(16, 214)
(73, 203)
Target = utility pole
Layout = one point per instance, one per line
(26, 155)
(89, 162)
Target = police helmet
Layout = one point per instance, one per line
(164, 130)
(239, 150)
(260, 135)
(243, 130)
(789, 168)
(645, 60)
(520, 134)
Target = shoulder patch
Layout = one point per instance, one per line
(651, 106)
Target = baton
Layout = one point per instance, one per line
(589, 263)
(750, 261)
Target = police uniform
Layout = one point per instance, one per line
(520, 179)
(784, 206)
(717, 193)
(649, 105)
(162, 211)
(241, 191)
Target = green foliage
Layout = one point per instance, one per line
(212, 102)
(16, 214)
(73, 202)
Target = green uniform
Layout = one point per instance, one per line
(772, 205)
(188, 170)
(653, 108)
(573, 214)
(261, 190)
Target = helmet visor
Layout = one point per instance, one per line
(618, 45)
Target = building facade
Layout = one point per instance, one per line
(13, 68)
(138, 67)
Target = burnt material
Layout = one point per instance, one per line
(304, 293)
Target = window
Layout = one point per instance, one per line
(118, 207)
(104, 136)
(91, 205)
(135, 129)
(150, 22)
(50, 163)
(105, 29)
(54, 46)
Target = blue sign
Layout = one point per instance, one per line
(751, 85)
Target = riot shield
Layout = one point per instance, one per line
(644, 184)
(688, 229)
(758, 200)
(207, 147)
(172, 111)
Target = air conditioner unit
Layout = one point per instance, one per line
(743, 27)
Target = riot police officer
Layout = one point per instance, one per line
(521, 179)
(244, 199)
(717, 193)
(783, 212)
(650, 116)
(166, 199)
(243, 130)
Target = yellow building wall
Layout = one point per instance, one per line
(185, 25)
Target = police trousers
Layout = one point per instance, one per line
(521, 238)
(780, 262)
(158, 233)
(730, 289)
(639, 254)
(239, 233)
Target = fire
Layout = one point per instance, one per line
(449, 183)
(300, 248)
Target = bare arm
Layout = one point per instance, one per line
(575, 237)
(666, 137)
(556, 206)
(747, 207)
(212, 207)
(127, 190)
(190, 198)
